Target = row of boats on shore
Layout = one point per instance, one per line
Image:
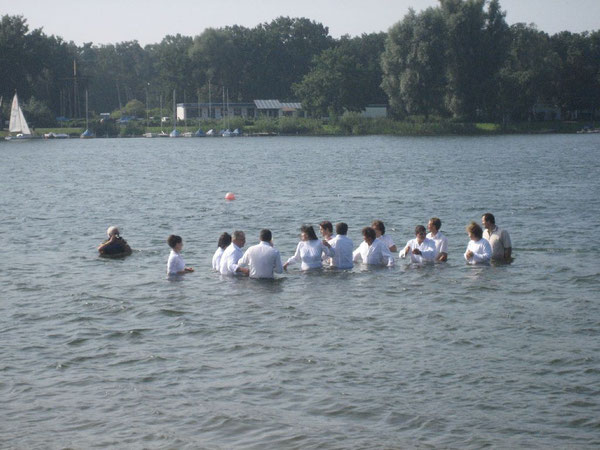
(18, 125)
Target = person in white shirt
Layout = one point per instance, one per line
(326, 229)
(232, 254)
(342, 248)
(479, 250)
(441, 241)
(224, 242)
(261, 260)
(420, 249)
(175, 264)
(379, 228)
(372, 250)
(310, 250)
(498, 239)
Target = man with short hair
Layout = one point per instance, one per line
(499, 239)
(441, 241)
(232, 254)
(372, 250)
(379, 228)
(421, 249)
(262, 259)
(342, 248)
(326, 229)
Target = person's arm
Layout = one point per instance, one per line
(405, 250)
(278, 267)
(507, 244)
(482, 253)
(294, 259)
(468, 253)
(327, 249)
(387, 255)
(102, 246)
(443, 254)
(242, 264)
(356, 254)
(428, 253)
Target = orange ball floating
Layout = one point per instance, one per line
(230, 196)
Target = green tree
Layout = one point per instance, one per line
(414, 63)
(135, 108)
(477, 46)
(331, 86)
(530, 74)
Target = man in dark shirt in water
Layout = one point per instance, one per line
(115, 245)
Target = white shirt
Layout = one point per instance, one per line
(342, 252)
(229, 260)
(387, 240)
(376, 253)
(309, 253)
(216, 259)
(262, 259)
(482, 251)
(175, 264)
(427, 247)
(441, 242)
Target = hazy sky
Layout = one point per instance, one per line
(148, 21)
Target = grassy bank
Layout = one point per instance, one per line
(350, 125)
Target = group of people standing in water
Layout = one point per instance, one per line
(336, 251)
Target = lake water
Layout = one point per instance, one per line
(109, 353)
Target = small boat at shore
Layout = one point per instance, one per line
(52, 135)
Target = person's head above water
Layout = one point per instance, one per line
(112, 230)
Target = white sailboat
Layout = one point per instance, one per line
(17, 123)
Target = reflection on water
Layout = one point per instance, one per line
(110, 353)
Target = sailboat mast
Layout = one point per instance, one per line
(161, 114)
(228, 109)
(174, 112)
(87, 121)
(209, 102)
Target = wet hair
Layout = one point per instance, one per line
(437, 223)
(265, 235)
(173, 240)
(420, 229)
(369, 232)
(326, 225)
(475, 229)
(224, 240)
(310, 232)
(237, 235)
(341, 228)
(489, 217)
(378, 224)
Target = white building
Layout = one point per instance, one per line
(262, 108)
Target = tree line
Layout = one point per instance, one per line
(459, 60)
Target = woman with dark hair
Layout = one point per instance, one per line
(224, 241)
(310, 250)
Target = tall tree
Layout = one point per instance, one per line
(477, 45)
(414, 63)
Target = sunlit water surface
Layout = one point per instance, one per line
(109, 353)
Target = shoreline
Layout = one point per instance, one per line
(351, 126)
